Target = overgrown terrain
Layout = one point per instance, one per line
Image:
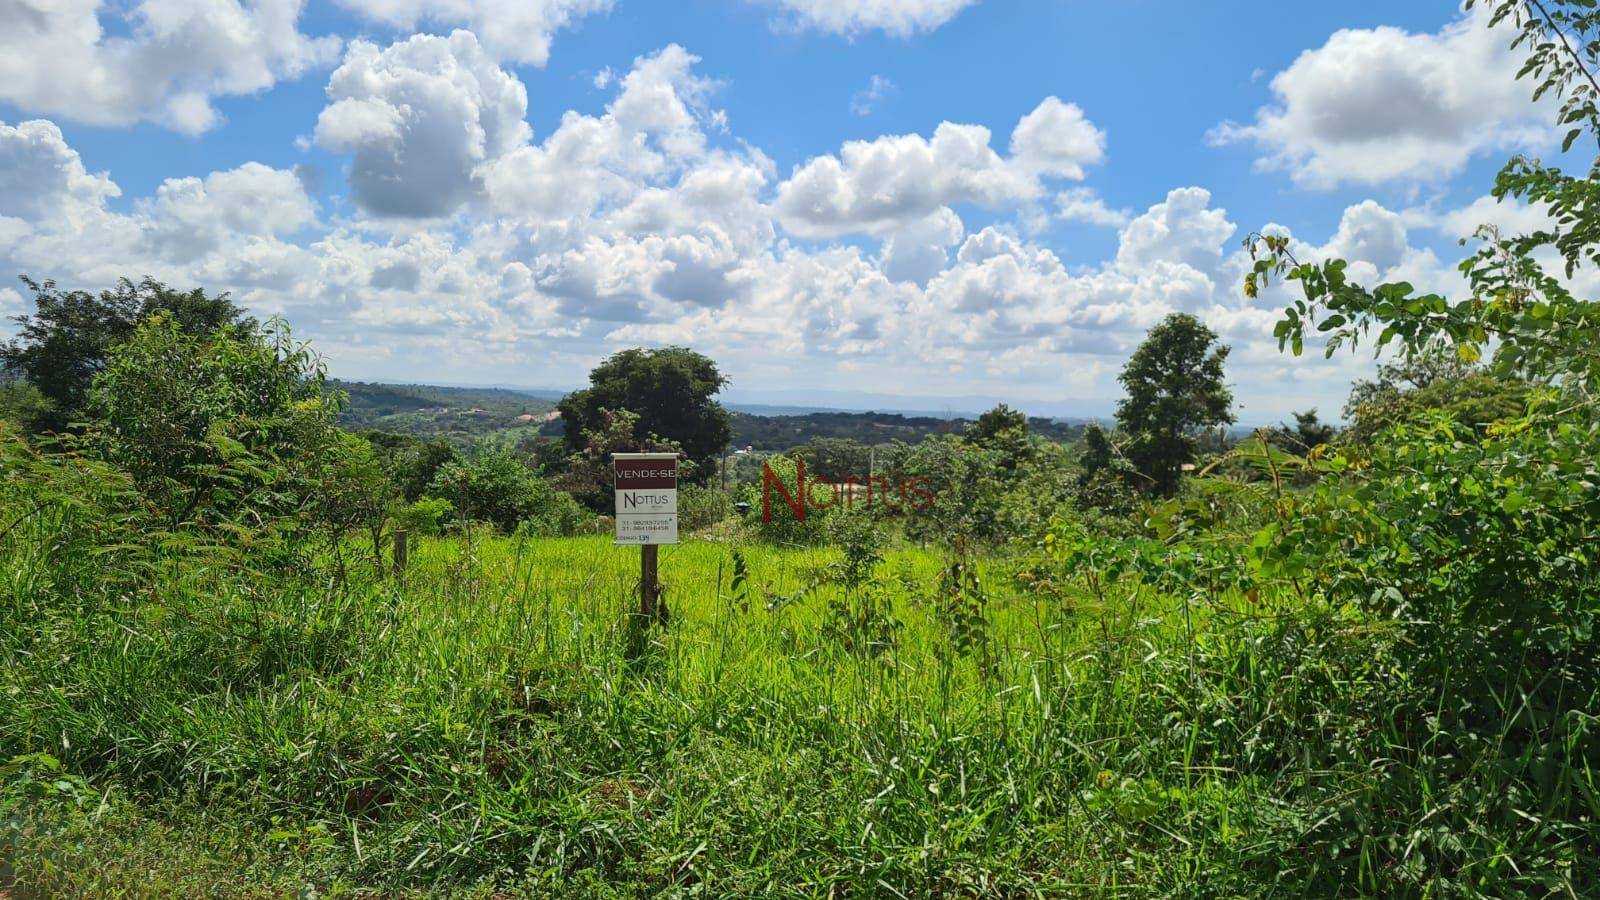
(812, 719)
(1325, 660)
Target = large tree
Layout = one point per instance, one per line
(993, 423)
(1004, 430)
(66, 342)
(1174, 384)
(669, 389)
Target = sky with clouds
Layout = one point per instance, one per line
(945, 201)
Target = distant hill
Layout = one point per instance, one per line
(784, 432)
(463, 415)
(468, 415)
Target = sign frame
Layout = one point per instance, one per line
(645, 486)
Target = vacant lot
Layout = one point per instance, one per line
(492, 722)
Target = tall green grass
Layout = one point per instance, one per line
(481, 720)
(487, 723)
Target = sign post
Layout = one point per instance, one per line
(647, 515)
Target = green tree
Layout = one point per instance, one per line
(835, 458)
(215, 426)
(495, 486)
(351, 494)
(1104, 482)
(416, 465)
(68, 339)
(1005, 431)
(1098, 454)
(1174, 385)
(21, 403)
(669, 389)
(958, 489)
(1434, 379)
(1476, 545)
(1306, 433)
(588, 473)
(768, 513)
(996, 422)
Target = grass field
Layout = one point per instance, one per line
(484, 728)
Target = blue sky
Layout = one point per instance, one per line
(488, 191)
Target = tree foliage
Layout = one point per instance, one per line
(1436, 379)
(234, 422)
(1004, 430)
(588, 476)
(1174, 388)
(670, 390)
(1306, 433)
(996, 422)
(68, 339)
(492, 486)
(351, 493)
(1474, 541)
(835, 458)
(415, 466)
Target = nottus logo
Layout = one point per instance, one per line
(899, 494)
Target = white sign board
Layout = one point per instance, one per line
(647, 497)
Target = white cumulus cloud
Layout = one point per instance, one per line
(187, 216)
(1183, 228)
(174, 59)
(920, 250)
(900, 18)
(515, 30)
(864, 101)
(1081, 204)
(420, 117)
(42, 177)
(1374, 105)
(889, 183)
(1057, 139)
(650, 129)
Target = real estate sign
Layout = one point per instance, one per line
(647, 497)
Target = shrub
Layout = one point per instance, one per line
(701, 507)
(351, 492)
(22, 403)
(218, 426)
(776, 521)
(490, 486)
(860, 619)
(555, 514)
(415, 466)
(425, 516)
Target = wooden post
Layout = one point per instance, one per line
(649, 586)
(401, 551)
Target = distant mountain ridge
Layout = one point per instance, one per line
(462, 415)
(466, 415)
(784, 432)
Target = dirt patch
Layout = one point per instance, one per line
(619, 793)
